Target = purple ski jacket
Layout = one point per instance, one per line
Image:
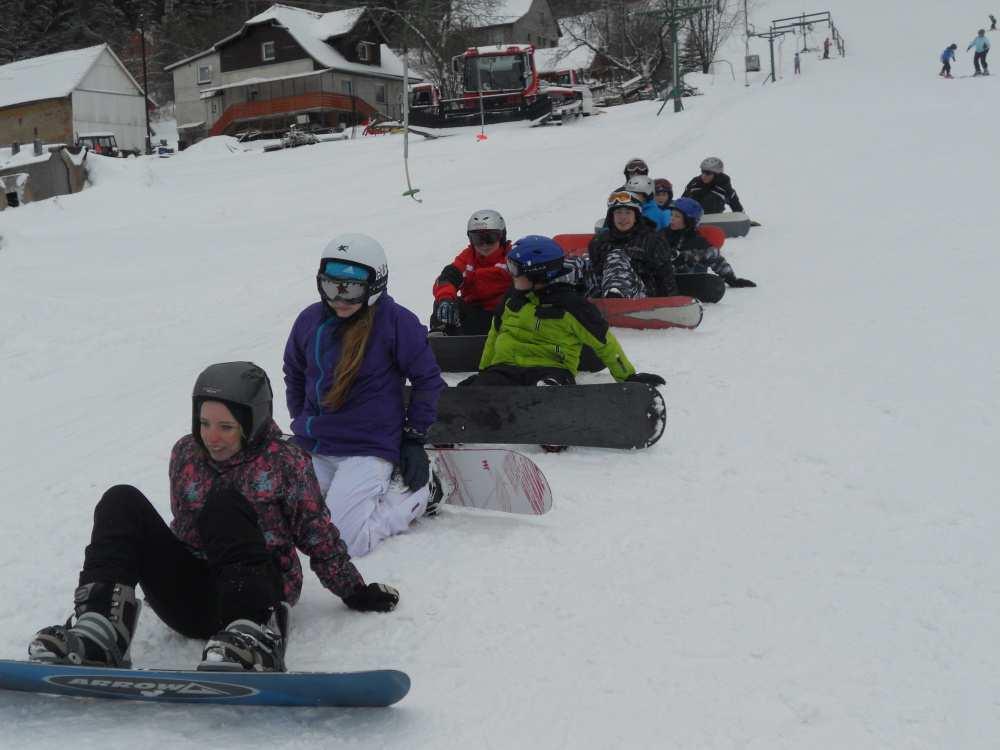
(371, 420)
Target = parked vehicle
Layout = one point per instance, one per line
(500, 83)
(103, 144)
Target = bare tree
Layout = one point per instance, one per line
(708, 29)
(632, 37)
(434, 31)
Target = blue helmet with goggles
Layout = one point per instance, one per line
(352, 269)
(536, 257)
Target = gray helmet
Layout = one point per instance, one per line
(241, 386)
(640, 183)
(487, 219)
(712, 164)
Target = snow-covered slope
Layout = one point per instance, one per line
(805, 560)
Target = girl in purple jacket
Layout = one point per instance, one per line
(346, 362)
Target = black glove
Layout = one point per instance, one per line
(648, 378)
(449, 313)
(375, 597)
(735, 282)
(414, 465)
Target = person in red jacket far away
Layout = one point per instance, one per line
(471, 287)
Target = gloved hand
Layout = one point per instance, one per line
(449, 313)
(648, 378)
(375, 597)
(735, 282)
(414, 465)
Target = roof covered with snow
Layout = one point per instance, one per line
(46, 77)
(551, 59)
(311, 30)
(505, 11)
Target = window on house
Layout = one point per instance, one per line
(267, 51)
(380, 93)
(215, 108)
(346, 87)
(204, 74)
(364, 52)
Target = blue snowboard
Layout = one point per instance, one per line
(381, 687)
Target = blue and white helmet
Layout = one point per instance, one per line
(365, 254)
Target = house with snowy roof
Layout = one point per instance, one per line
(288, 66)
(60, 97)
(516, 22)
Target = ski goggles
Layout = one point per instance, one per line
(342, 290)
(708, 173)
(517, 269)
(632, 171)
(622, 199)
(343, 282)
(484, 236)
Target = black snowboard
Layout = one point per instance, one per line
(462, 354)
(616, 415)
(706, 287)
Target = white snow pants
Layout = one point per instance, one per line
(364, 502)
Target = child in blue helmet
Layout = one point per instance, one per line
(947, 58)
(692, 253)
(542, 325)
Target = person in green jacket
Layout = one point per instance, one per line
(541, 327)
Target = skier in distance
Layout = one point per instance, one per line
(982, 46)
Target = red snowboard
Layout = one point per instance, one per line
(651, 312)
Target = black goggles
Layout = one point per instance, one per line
(484, 236)
(343, 290)
(708, 173)
(632, 171)
(516, 269)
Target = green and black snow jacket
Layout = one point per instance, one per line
(548, 328)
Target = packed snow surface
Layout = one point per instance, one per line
(807, 559)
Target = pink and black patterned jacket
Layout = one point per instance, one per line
(278, 479)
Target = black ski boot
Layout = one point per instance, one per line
(249, 646)
(437, 495)
(99, 633)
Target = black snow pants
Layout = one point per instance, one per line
(131, 544)
(979, 61)
(476, 321)
(945, 69)
(514, 375)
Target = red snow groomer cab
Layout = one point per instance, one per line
(499, 84)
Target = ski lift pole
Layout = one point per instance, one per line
(482, 108)
(410, 192)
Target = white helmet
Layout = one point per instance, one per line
(487, 219)
(712, 164)
(362, 251)
(640, 183)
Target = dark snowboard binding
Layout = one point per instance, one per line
(98, 634)
(245, 645)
